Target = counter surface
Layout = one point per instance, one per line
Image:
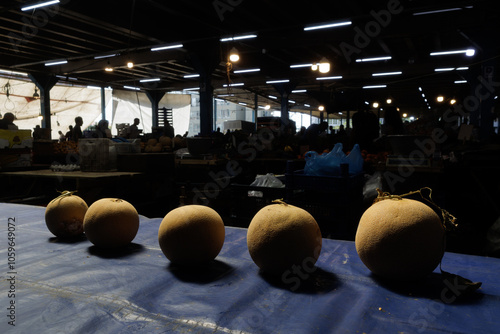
(72, 287)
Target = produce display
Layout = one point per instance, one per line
(111, 223)
(281, 237)
(191, 235)
(64, 215)
(400, 238)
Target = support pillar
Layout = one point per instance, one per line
(44, 83)
(103, 103)
(284, 89)
(154, 97)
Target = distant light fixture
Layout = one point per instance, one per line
(300, 65)
(131, 87)
(460, 81)
(467, 52)
(237, 38)
(198, 88)
(167, 47)
(405, 115)
(307, 105)
(38, 5)
(388, 101)
(40, 116)
(13, 73)
(58, 62)
(463, 68)
(420, 88)
(108, 69)
(363, 60)
(242, 103)
(233, 55)
(234, 84)
(191, 76)
(150, 80)
(375, 105)
(106, 56)
(130, 64)
(386, 73)
(299, 91)
(444, 69)
(321, 108)
(374, 86)
(440, 98)
(272, 97)
(247, 70)
(328, 25)
(277, 81)
(330, 78)
(35, 94)
(64, 77)
(453, 101)
(437, 11)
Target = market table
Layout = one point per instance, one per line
(58, 286)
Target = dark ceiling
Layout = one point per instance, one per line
(80, 30)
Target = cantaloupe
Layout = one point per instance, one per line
(191, 235)
(400, 239)
(165, 141)
(111, 223)
(64, 215)
(282, 236)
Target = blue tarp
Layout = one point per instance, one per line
(73, 287)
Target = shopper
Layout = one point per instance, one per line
(77, 129)
(134, 130)
(7, 122)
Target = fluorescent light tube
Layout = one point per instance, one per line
(277, 81)
(106, 56)
(328, 25)
(194, 88)
(131, 87)
(373, 59)
(272, 97)
(58, 62)
(386, 73)
(468, 52)
(374, 86)
(14, 73)
(247, 71)
(300, 65)
(299, 91)
(236, 38)
(330, 78)
(150, 80)
(444, 69)
(166, 47)
(191, 76)
(38, 5)
(437, 11)
(460, 81)
(233, 85)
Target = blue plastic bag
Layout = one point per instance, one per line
(329, 164)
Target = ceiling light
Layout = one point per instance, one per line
(106, 56)
(420, 88)
(150, 80)
(40, 116)
(57, 62)
(468, 52)
(131, 87)
(444, 69)
(247, 71)
(130, 64)
(35, 94)
(191, 76)
(233, 55)
(300, 65)
(277, 81)
(440, 98)
(38, 5)
(437, 11)
(267, 107)
(272, 97)
(386, 73)
(363, 60)
(307, 105)
(464, 68)
(375, 105)
(374, 86)
(328, 25)
(405, 115)
(198, 88)
(388, 101)
(321, 108)
(324, 67)
(236, 38)
(299, 91)
(330, 78)
(234, 85)
(460, 81)
(167, 47)
(108, 68)
(453, 101)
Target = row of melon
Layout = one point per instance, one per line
(396, 238)
(164, 143)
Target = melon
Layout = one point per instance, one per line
(281, 237)
(165, 141)
(64, 215)
(400, 239)
(191, 235)
(111, 223)
(152, 142)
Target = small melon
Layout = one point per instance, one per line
(400, 239)
(152, 142)
(282, 236)
(191, 235)
(157, 148)
(64, 216)
(111, 223)
(165, 141)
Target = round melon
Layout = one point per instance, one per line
(165, 141)
(191, 235)
(400, 239)
(64, 216)
(111, 223)
(152, 142)
(282, 236)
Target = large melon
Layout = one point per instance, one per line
(400, 239)
(64, 215)
(111, 223)
(282, 236)
(191, 235)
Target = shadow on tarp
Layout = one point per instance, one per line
(436, 286)
(68, 240)
(317, 282)
(116, 253)
(202, 274)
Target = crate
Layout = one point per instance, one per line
(97, 154)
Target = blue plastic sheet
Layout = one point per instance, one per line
(330, 164)
(72, 287)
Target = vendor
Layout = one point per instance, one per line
(134, 131)
(7, 122)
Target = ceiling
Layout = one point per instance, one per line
(78, 31)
